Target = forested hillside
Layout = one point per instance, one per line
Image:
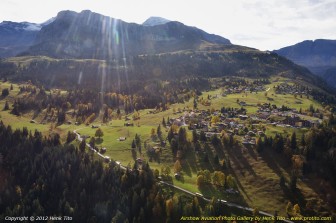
(41, 177)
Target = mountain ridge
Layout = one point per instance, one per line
(16, 37)
(91, 35)
(319, 56)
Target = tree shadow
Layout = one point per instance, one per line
(220, 151)
(240, 161)
(99, 141)
(251, 151)
(189, 165)
(272, 162)
(296, 197)
(36, 113)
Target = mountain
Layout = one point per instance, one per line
(154, 21)
(17, 37)
(93, 36)
(88, 46)
(318, 56)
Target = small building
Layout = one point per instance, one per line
(261, 133)
(243, 117)
(139, 161)
(85, 136)
(177, 176)
(251, 133)
(242, 103)
(107, 159)
(122, 138)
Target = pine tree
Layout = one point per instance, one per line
(195, 103)
(202, 136)
(82, 146)
(133, 144)
(194, 136)
(303, 141)
(292, 183)
(159, 132)
(170, 135)
(6, 106)
(182, 138)
(92, 142)
(163, 122)
(137, 140)
(293, 144)
(282, 181)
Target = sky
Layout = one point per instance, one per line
(262, 24)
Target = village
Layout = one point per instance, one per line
(235, 121)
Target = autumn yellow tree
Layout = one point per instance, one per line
(215, 119)
(200, 180)
(169, 207)
(177, 166)
(218, 178)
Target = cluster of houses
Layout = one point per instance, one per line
(285, 88)
(289, 118)
(243, 89)
(234, 121)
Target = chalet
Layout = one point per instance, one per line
(263, 115)
(107, 159)
(220, 126)
(212, 129)
(128, 124)
(85, 136)
(94, 126)
(242, 117)
(178, 122)
(103, 150)
(242, 103)
(251, 133)
(231, 191)
(177, 176)
(139, 161)
(192, 126)
(32, 121)
(156, 149)
(249, 142)
(210, 134)
(122, 138)
(230, 132)
(261, 133)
